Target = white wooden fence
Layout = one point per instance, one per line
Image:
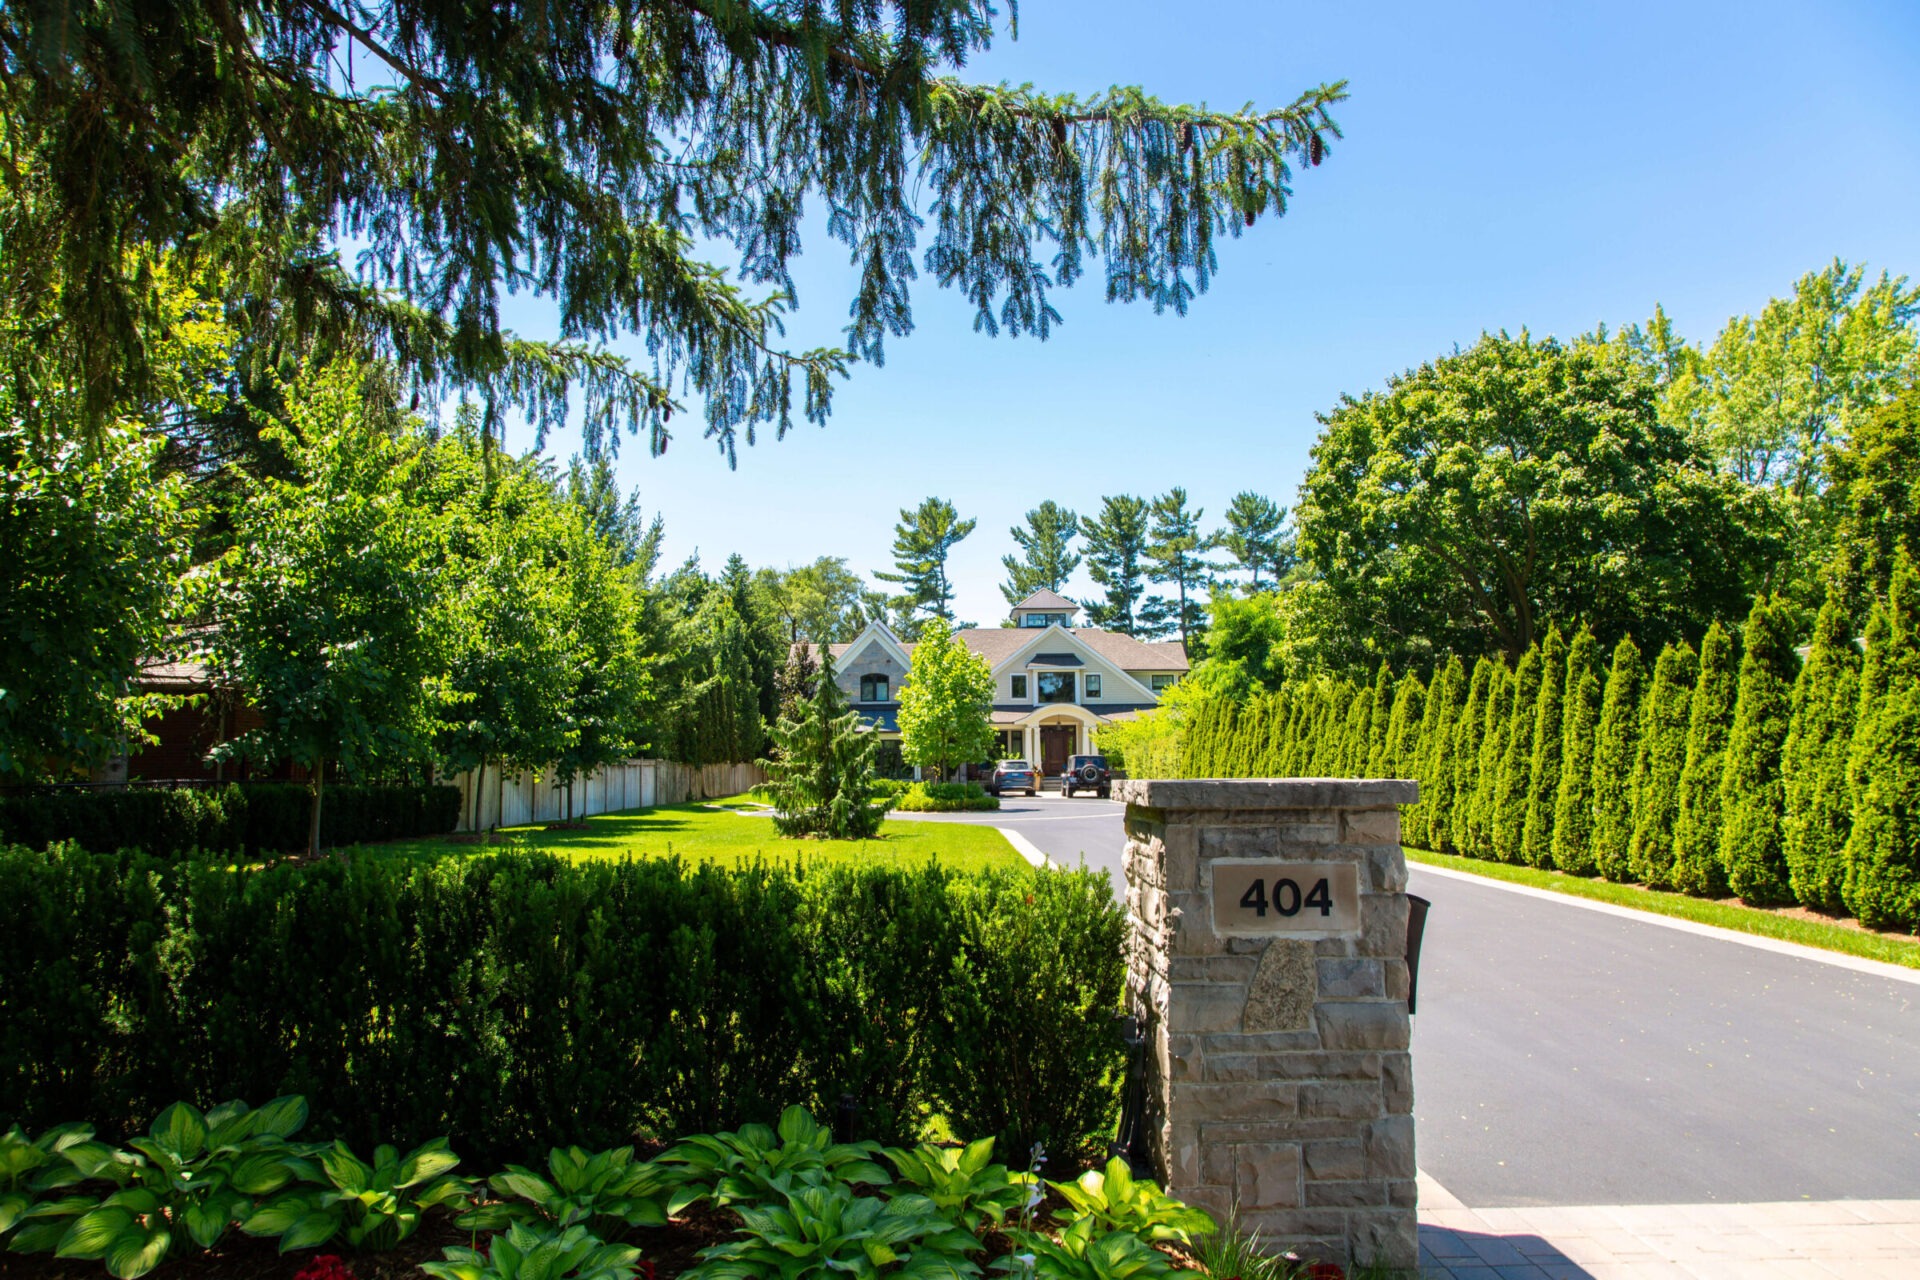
(512, 800)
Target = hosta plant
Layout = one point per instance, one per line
(535, 1253)
(826, 1230)
(605, 1186)
(1085, 1251)
(373, 1206)
(756, 1163)
(32, 1170)
(1115, 1201)
(191, 1177)
(962, 1182)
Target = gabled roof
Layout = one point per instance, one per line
(1045, 601)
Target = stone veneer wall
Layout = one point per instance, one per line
(1279, 1078)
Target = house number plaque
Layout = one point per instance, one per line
(1300, 898)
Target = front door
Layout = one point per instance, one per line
(1056, 744)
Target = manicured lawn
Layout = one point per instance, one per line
(702, 834)
(1891, 948)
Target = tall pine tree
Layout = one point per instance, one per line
(1543, 774)
(1573, 849)
(1882, 884)
(1697, 868)
(1661, 760)
(1753, 789)
(1046, 558)
(1615, 751)
(1826, 701)
(1516, 762)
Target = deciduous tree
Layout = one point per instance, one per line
(945, 708)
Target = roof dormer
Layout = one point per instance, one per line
(1045, 609)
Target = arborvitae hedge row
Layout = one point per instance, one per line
(1696, 834)
(1882, 884)
(1662, 759)
(519, 1001)
(1572, 849)
(1510, 799)
(1543, 773)
(1826, 701)
(1615, 752)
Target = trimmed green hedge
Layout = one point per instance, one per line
(265, 817)
(945, 797)
(515, 1001)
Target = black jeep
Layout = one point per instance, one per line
(1087, 773)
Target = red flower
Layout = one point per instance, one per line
(326, 1266)
(1326, 1271)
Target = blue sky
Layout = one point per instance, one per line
(1547, 165)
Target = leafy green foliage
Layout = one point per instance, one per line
(1697, 868)
(945, 706)
(756, 1162)
(1753, 790)
(580, 1188)
(945, 797)
(190, 1178)
(1114, 1200)
(524, 1252)
(1661, 762)
(1513, 482)
(260, 817)
(1432, 765)
(1882, 885)
(1464, 759)
(1235, 1251)
(1615, 753)
(962, 1183)
(372, 1205)
(826, 1230)
(31, 1169)
(1513, 789)
(1549, 740)
(820, 775)
(1083, 1252)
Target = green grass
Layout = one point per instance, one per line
(1890, 948)
(699, 833)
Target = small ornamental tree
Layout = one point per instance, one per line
(1826, 700)
(1572, 849)
(1697, 868)
(1615, 753)
(1501, 688)
(1753, 790)
(946, 707)
(1516, 762)
(1543, 774)
(1882, 884)
(331, 610)
(1465, 761)
(1661, 760)
(820, 774)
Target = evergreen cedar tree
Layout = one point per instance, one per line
(1615, 756)
(1371, 759)
(1882, 885)
(1697, 868)
(1573, 848)
(1465, 760)
(1661, 761)
(1826, 701)
(226, 132)
(820, 774)
(1493, 750)
(1403, 728)
(1753, 791)
(1543, 772)
(1433, 767)
(1511, 797)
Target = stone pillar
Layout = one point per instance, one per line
(1268, 968)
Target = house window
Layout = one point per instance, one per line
(1162, 683)
(1056, 686)
(1093, 685)
(1019, 686)
(873, 688)
(1043, 619)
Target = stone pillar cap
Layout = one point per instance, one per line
(1267, 793)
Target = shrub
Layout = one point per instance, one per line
(265, 817)
(945, 797)
(1696, 834)
(1882, 884)
(1465, 759)
(1753, 792)
(1510, 795)
(515, 1001)
(1543, 771)
(1657, 767)
(1572, 849)
(1615, 751)
(1477, 837)
(1826, 700)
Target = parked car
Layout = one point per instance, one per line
(1087, 773)
(1014, 775)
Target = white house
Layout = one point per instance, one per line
(1055, 683)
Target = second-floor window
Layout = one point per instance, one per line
(1056, 686)
(1162, 683)
(1093, 685)
(1019, 686)
(873, 688)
